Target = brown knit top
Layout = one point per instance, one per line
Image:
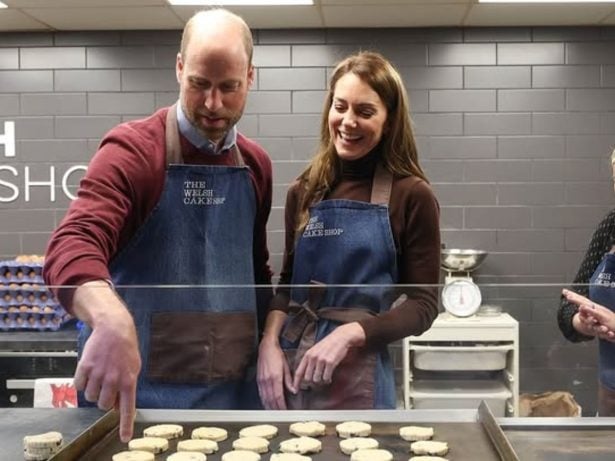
(414, 217)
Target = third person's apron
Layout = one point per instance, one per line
(601, 292)
(195, 339)
(345, 242)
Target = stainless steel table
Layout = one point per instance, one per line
(561, 439)
(15, 423)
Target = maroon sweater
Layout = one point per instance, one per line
(123, 183)
(414, 215)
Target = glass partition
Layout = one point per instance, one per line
(495, 342)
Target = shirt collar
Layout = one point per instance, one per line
(201, 142)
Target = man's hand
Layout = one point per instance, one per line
(110, 363)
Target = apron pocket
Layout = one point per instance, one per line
(200, 347)
(353, 384)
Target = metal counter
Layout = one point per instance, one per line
(15, 423)
(561, 439)
(94, 435)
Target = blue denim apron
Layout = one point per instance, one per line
(195, 342)
(345, 242)
(602, 291)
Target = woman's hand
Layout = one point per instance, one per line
(273, 373)
(601, 318)
(591, 319)
(321, 360)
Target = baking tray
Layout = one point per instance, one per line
(468, 438)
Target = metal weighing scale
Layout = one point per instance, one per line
(461, 297)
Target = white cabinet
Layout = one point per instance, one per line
(460, 361)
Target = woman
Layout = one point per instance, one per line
(590, 312)
(361, 214)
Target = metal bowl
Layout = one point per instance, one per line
(457, 260)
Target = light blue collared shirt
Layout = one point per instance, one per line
(201, 142)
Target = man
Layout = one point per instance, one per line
(179, 198)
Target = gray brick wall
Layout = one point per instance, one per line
(514, 126)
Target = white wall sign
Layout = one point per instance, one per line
(10, 189)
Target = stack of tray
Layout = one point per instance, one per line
(25, 301)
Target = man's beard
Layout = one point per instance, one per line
(216, 134)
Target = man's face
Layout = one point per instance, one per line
(214, 79)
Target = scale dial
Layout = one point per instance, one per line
(461, 298)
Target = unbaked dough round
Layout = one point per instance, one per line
(427, 458)
(29, 455)
(187, 456)
(166, 431)
(371, 455)
(201, 445)
(241, 455)
(133, 455)
(152, 444)
(353, 429)
(256, 444)
(301, 445)
(429, 447)
(348, 446)
(266, 431)
(414, 433)
(46, 440)
(289, 457)
(217, 434)
(307, 428)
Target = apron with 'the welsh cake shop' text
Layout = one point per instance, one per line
(345, 242)
(602, 291)
(187, 278)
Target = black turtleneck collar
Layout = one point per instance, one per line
(360, 168)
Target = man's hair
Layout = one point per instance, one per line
(218, 14)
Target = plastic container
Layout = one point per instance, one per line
(478, 357)
(450, 394)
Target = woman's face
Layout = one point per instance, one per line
(357, 117)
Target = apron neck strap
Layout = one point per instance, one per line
(174, 150)
(236, 153)
(381, 185)
(173, 146)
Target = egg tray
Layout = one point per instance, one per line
(22, 310)
(18, 272)
(24, 320)
(25, 301)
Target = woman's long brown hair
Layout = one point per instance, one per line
(398, 147)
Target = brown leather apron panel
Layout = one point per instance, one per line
(219, 348)
(353, 382)
(352, 387)
(606, 401)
